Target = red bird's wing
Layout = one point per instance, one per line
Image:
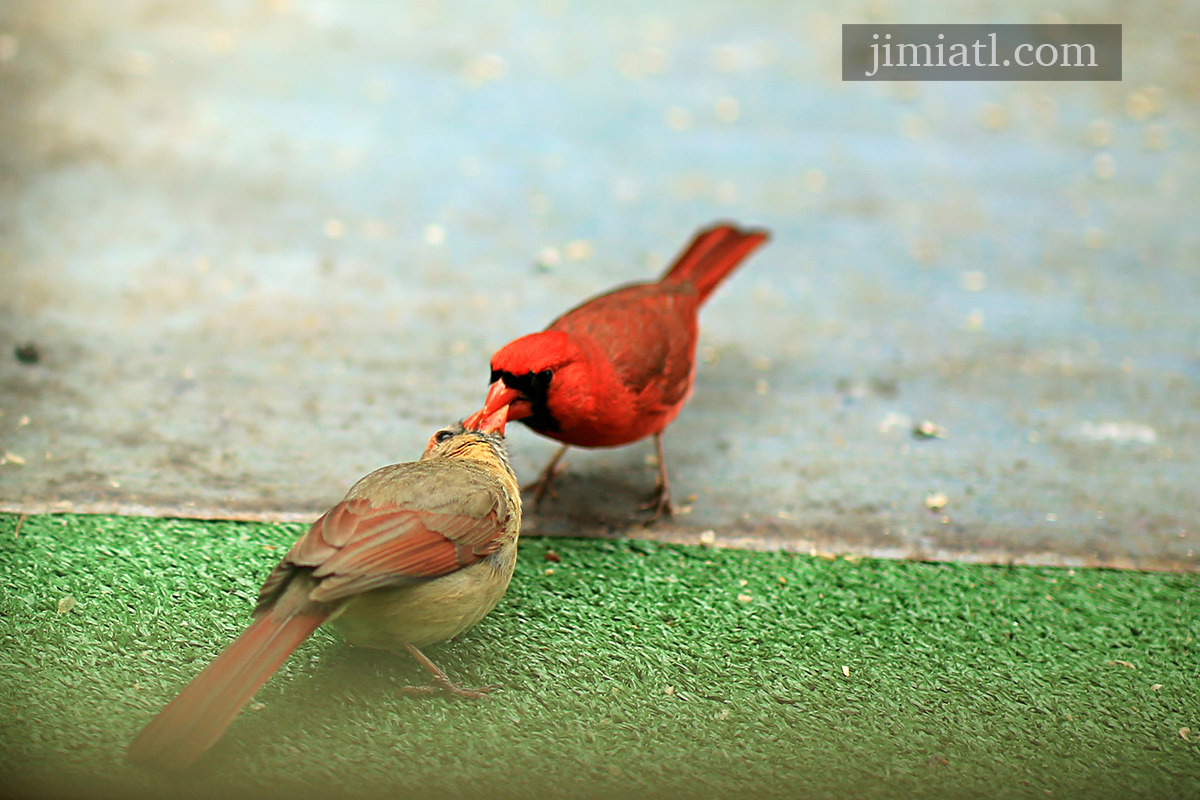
(356, 547)
(647, 331)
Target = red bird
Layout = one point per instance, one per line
(619, 367)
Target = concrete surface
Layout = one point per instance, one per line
(263, 247)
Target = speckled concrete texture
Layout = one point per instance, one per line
(260, 248)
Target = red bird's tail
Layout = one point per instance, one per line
(193, 721)
(712, 255)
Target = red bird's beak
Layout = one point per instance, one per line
(500, 395)
(495, 412)
(487, 423)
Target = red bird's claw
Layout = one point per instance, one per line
(660, 504)
(545, 482)
(543, 486)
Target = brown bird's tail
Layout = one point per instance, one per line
(712, 255)
(197, 717)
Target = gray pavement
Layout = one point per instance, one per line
(264, 247)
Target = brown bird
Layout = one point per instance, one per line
(416, 553)
(619, 367)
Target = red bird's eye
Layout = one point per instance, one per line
(442, 436)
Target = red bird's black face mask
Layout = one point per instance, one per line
(531, 404)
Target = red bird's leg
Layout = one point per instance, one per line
(660, 503)
(441, 680)
(546, 479)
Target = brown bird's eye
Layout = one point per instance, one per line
(442, 436)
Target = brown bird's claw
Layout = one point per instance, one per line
(452, 688)
(545, 481)
(441, 681)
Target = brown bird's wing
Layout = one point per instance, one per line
(647, 331)
(358, 546)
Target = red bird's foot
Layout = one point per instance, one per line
(545, 481)
(660, 504)
(441, 681)
(660, 501)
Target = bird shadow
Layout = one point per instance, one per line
(337, 679)
(597, 493)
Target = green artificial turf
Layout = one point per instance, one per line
(629, 669)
